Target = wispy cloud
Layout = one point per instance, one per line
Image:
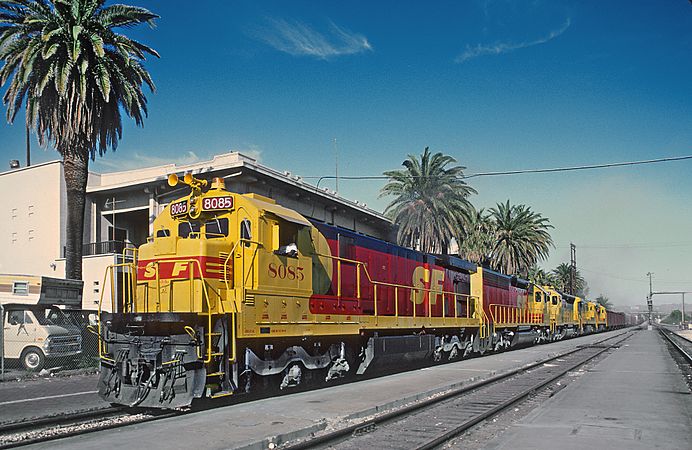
(505, 47)
(298, 39)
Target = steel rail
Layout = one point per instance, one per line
(512, 400)
(668, 333)
(18, 426)
(343, 433)
(49, 429)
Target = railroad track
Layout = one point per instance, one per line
(432, 422)
(46, 429)
(680, 343)
(50, 428)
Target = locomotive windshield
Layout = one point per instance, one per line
(189, 230)
(217, 228)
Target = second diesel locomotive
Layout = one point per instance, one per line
(234, 292)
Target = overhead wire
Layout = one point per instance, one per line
(643, 279)
(515, 172)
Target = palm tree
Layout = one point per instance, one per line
(75, 75)
(562, 278)
(476, 244)
(604, 301)
(538, 276)
(522, 238)
(430, 204)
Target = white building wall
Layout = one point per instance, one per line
(32, 229)
(93, 273)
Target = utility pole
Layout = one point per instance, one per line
(682, 322)
(572, 268)
(336, 168)
(650, 297)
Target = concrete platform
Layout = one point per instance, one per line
(241, 425)
(636, 398)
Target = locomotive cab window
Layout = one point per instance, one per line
(539, 297)
(163, 233)
(285, 238)
(216, 228)
(189, 230)
(246, 230)
(554, 300)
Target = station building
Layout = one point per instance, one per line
(121, 207)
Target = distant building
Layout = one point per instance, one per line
(121, 207)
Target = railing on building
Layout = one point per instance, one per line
(100, 248)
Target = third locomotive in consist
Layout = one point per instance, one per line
(234, 293)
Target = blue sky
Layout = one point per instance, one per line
(500, 85)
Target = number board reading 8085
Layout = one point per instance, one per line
(217, 203)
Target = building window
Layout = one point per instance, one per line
(20, 287)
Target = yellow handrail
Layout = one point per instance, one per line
(109, 270)
(396, 286)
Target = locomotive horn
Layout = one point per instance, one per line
(193, 182)
(172, 180)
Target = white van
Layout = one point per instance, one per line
(35, 330)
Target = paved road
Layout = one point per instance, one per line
(39, 397)
(634, 399)
(246, 423)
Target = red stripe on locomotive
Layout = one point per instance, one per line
(179, 268)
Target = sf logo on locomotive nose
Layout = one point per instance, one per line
(178, 268)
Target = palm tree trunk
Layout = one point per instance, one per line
(76, 171)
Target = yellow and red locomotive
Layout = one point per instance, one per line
(234, 292)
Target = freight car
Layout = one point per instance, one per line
(234, 293)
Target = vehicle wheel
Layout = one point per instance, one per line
(33, 359)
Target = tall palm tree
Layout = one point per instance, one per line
(74, 74)
(562, 279)
(476, 244)
(430, 204)
(522, 238)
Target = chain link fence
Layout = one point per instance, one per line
(44, 340)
